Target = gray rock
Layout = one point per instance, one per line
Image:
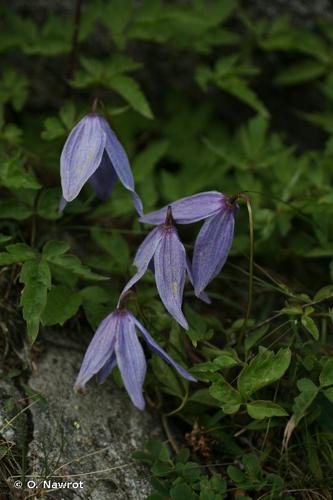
(86, 437)
(12, 420)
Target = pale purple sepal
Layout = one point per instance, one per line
(81, 155)
(131, 360)
(158, 349)
(119, 159)
(99, 350)
(188, 210)
(212, 247)
(104, 179)
(143, 258)
(107, 369)
(170, 272)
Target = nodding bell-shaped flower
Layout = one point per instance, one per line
(163, 248)
(116, 343)
(93, 153)
(215, 238)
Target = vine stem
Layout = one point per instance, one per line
(75, 39)
(250, 290)
(247, 200)
(169, 434)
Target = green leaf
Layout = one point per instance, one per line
(310, 326)
(242, 91)
(116, 16)
(48, 204)
(235, 474)
(227, 395)
(307, 395)
(301, 72)
(146, 160)
(167, 377)
(62, 304)
(329, 394)
(14, 209)
(116, 246)
(254, 337)
(181, 491)
(324, 293)
(73, 264)
(18, 252)
(129, 89)
(265, 409)
(95, 294)
(55, 247)
(13, 174)
(326, 375)
(266, 368)
(36, 277)
(227, 359)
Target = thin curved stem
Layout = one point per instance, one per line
(250, 290)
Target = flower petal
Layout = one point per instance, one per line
(104, 179)
(212, 247)
(81, 155)
(147, 248)
(143, 258)
(158, 349)
(107, 369)
(203, 295)
(120, 162)
(170, 271)
(131, 360)
(189, 209)
(99, 351)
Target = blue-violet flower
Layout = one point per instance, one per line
(93, 152)
(214, 240)
(116, 343)
(163, 248)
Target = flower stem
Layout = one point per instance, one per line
(247, 200)
(75, 39)
(250, 292)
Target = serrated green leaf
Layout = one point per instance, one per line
(266, 368)
(301, 72)
(229, 397)
(18, 252)
(62, 304)
(36, 277)
(74, 265)
(55, 247)
(130, 90)
(239, 88)
(227, 359)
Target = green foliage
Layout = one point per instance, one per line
(204, 96)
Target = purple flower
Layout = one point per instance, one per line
(116, 343)
(190, 209)
(214, 240)
(164, 252)
(93, 152)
